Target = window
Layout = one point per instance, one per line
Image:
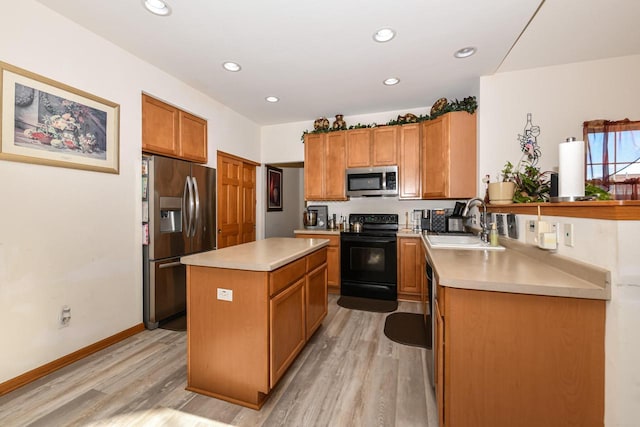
(613, 156)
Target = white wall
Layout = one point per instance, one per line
(73, 237)
(561, 98)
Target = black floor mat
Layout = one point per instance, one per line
(368, 304)
(408, 328)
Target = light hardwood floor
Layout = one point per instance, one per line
(349, 374)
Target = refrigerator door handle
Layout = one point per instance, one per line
(192, 205)
(196, 221)
(170, 264)
(186, 205)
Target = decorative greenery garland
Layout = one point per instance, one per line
(468, 104)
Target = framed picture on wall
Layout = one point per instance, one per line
(46, 122)
(274, 189)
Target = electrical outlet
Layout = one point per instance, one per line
(225, 294)
(532, 232)
(65, 316)
(568, 235)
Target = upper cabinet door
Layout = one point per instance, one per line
(193, 138)
(409, 162)
(169, 131)
(335, 166)
(449, 156)
(314, 166)
(160, 127)
(359, 148)
(385, 146)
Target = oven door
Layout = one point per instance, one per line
(368, 266)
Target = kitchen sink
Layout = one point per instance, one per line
(456, 241)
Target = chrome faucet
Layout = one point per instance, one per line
(484, 234)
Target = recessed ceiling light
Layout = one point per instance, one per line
(384, 35)
(391, 81)
(231, 66)
(272, 99)
(157, 7)
(465, 52)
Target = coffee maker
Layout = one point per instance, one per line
(322, 216)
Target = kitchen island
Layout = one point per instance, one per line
(518, 337)
(251, 308)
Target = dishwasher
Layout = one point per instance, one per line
(429, 322)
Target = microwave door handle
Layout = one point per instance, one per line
(196, 198)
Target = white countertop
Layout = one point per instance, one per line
(261, 255)
(516, 272)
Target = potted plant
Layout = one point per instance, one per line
(523, 184)
(501, 192)
(531, 185)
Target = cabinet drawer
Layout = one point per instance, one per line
(286, 275)
(317, 258)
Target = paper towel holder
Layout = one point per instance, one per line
(554, 197)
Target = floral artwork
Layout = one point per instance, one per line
(47, 122)
(54, 123)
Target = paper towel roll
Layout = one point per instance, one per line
(571, 169)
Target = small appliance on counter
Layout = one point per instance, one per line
(321, 217)
(418, 215)
(455, 221)
(435, 220)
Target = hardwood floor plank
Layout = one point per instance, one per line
(66, 414)
(349, 374)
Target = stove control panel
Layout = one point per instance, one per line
(373, 218)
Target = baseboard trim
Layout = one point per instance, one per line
(27, 377)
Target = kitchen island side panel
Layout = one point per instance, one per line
(227, 352)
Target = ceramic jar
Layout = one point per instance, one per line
(339, 123)
(321, 123)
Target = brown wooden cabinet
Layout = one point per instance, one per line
(169, 131)
(333, 259)
(287, 328)
(540, 359)
(359, 148)
(238, 349)
(324, 166)
(409, 167)
(385, 146)
(449, 156)
(372, 147)
(316, 301)
(410, 268)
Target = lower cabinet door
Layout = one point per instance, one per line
(286, 329)
(316, 295)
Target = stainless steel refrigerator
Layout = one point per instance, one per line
(181, 203)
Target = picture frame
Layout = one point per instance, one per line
(274, 189)
(46, 122)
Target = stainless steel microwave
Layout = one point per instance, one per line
(374, 181)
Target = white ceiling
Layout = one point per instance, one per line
(321, 60)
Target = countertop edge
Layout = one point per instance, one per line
(597, 285)
(201, 260)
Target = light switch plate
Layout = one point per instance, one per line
(225, 294)
(568, 235)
